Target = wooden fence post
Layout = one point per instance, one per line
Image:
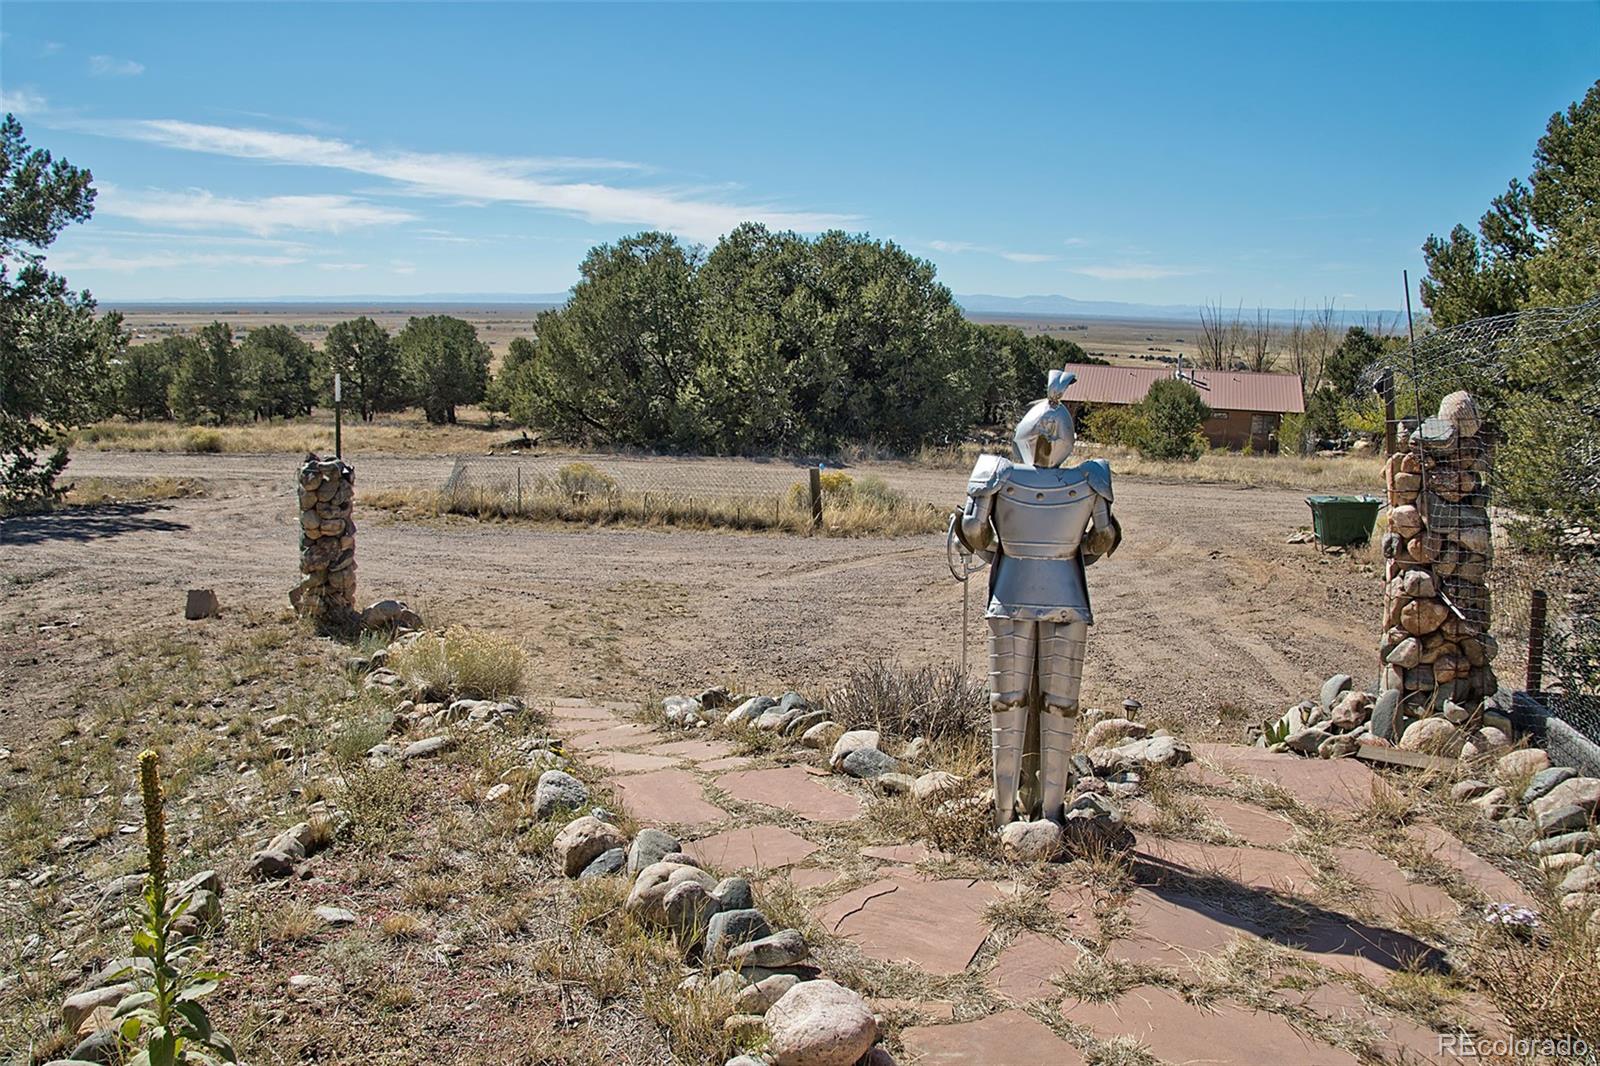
(1538, 605)
(816, 498)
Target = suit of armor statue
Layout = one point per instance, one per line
(1038, 523)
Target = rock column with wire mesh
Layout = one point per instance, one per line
(327, 592)
(1437, 651)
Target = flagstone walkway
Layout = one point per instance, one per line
(1259, 921)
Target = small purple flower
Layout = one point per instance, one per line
(1510, 915)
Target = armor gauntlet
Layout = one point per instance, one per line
(1104, 536)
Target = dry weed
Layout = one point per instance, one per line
(461, 662)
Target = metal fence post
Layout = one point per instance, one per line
(519, 489)
(816, 497)
(1538, 604)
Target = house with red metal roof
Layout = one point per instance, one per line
(1246, 408)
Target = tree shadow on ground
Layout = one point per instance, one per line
(1285, 920)
(87, 523)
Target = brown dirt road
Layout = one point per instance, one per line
(1204, 605)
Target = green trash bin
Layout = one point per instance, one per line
(1343, 519)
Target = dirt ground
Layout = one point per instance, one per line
(1205, 609)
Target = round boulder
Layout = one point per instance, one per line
(820, 1023)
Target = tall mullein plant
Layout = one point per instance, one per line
(166, 1014)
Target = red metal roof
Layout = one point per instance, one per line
(1223, 390)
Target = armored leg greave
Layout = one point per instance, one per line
(1061, 651)
(1011, 669)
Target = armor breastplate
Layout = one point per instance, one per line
(1040, 516)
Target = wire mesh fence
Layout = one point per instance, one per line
(747, 494)
(1510, 513)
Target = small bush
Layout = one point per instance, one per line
(1113, 424)
(463, 663)
(198, 440)
(931, 701)
(578, 480)
(1173, 415)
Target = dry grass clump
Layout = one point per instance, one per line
(96, 491)
(461, 662)
(936, 702)
(960, 825)
(1546, 984)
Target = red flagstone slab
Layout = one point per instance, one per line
(674, 797)
(1182, 1034)
(790, 788)
(1162, 860)
(1022, 972)
(717, 766)
(935, 925)
(1075, 904)
(1399, 1038)
(812, 876)
(626, 735)
(1337, 786)
(1392, 895)
(909, 854)
(1493, 882)
(1010, 1038)
(1175, 930)
(1198, 773)
(764, 847)
(583, 715)
(632, 762)
(694, 749)
(1252, 824)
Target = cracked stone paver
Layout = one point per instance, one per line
(670, 797)
(1022, 1040)
(1181, 1033)
(792, 789)
(936, 926)
(761, 847)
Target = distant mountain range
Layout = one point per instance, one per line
(972, 304)
(1067, 307)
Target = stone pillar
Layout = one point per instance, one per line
(1437, 648)
(327, 593)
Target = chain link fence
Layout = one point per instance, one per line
(1535, 379)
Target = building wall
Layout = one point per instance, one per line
(1235, 429)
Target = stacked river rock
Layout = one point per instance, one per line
(327, 542)
(1436, 648)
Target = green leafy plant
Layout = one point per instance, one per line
(166, 1014)
(1276, 732)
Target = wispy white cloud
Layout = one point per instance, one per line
(22, 102)
(112, 67)
(402, 266)
(200, 209)
(50, 48)
(482, 179)
(1130, 272)
(960, 247)
(341, 266)
(1074, 242)
(106, 259)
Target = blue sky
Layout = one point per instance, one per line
(1269, 153)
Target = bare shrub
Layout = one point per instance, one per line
(928, 701)
(461, 662)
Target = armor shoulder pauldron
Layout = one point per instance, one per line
(1097, 472)
(987, 475)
